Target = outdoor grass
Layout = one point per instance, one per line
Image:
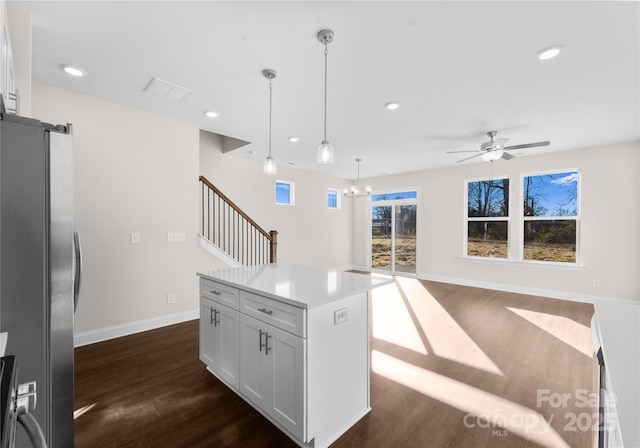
(406, 251)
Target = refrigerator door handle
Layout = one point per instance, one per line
(77, 277)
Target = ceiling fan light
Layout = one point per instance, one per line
(490, 156)
(325, 152)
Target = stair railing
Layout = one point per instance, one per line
(229, 228)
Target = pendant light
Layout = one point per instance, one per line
(269, 168)
(354, 190)
(325, 150)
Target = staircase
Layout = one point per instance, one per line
(229, 233)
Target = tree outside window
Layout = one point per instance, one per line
(550, 217)
(488, 218)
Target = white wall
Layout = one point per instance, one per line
(138, 172)
(308, 233)
(609, 228)
(134, 172)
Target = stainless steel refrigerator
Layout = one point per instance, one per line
(39, 267)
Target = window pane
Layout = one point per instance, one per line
(553, 240)
(405, 236)
(487, 239)
(283, 193)
(551, 194)
(394, 196)
(332, 199)
(381, 237)
(488, 198)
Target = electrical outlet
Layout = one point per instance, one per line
(596, 283)
(135, 238)
(340, 316)
(176, 237)
(171, 298)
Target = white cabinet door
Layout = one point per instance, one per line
(254, 361)
(289, 386)
(272, 372)
(219, 327)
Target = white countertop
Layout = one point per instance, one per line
(619, 327)
(302, 286)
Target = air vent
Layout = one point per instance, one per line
(170, 91)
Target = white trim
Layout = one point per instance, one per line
(116, 331)
(527, 263)
(214, 250)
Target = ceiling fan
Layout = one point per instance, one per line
(496, 149)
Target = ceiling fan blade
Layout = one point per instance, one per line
(500, 142)
(507, 156)
(454, 152)
(477, 155)
(526, 145)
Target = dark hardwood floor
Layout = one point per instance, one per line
(452, 366)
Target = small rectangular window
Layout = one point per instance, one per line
(488, 218)
(285, 192)
(333, 198)
(550, 217)
(394, 196)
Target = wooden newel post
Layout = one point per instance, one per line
(273, 248)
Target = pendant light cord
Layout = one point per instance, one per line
(326, 52)
(270, 108)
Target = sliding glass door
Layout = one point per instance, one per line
(393, 232)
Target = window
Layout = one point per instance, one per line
(550, 217)
(394, 196)
(333, 198)
(285, 192)
(488, 218)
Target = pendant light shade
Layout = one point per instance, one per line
(325, 150)
(269, 167)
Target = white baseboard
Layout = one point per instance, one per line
(116, 331)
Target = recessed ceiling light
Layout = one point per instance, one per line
(73, 71)
(212, 114)
(549, 52)
(293, 139)
(392, 105)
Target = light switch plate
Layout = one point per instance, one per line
(135, 238)
(176, 237)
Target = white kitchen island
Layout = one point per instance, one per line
(293, 341)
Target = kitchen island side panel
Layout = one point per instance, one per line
(338, 367)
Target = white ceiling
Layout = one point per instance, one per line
(458, 69)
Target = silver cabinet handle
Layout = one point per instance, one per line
(261, 344)
(217, 293)
(213, 316)
(265, 311)
(266, 344)
(216, 321)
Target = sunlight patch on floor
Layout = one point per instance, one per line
(392, 321)
(447, 339)
(567, 330)
(503, 413)
(83, 410)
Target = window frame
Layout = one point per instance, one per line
(338, 194)
(467, 219)
(524, 219)
(292, 192)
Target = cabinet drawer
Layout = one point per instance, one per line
(279, 314)
(226, 295)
